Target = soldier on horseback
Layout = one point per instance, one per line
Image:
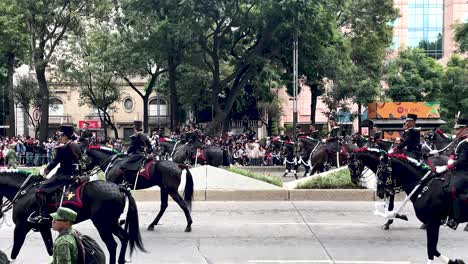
(68, 156)
(314, 133)
(411, 139)
(332, 141)
(459, 178)
(139, 145)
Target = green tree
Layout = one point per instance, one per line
(84, 63)
(414, 76)
(25, 93)
(13, 47)
(454, 89)
(461, 36)
(47, 23)
(166, 37)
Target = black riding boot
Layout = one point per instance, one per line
(42, 216)
(455, 216)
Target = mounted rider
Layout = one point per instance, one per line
(459, 178)
(86, 134)
(139, 145)
(68, 155)
(300, 133)
(314, 133)
(332, 141)
(411, 138)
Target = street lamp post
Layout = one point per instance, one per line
(295, 82)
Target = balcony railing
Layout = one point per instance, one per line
(96, 117)
(161, 120)
(241, 123)
(60, 119)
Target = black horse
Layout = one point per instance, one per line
(322, 159)
(102, 203)
(307, 146)
(165, 149)
(165, 174)
(431, 198)
(370, 158)
(207, 155)
(438, 140)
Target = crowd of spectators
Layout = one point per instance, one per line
(245, 148)
(25, 151)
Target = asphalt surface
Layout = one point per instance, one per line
(271, 232)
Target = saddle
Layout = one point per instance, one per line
(139, 165)
(201, 154)
(71, 196)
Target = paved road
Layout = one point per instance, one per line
(272, 232)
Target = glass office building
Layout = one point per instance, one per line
(427, 24)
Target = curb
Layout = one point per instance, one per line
(270, 195)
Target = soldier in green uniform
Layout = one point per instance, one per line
(66, 249)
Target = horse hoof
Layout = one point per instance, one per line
(385, 227)
(423, 226)
(404, 217)
(150, 228)
(188, 229)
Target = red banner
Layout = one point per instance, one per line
(93, 124)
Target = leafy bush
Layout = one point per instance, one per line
(337, 180)
(269, 179)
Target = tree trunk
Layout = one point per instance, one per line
(145, 98)
(313, 99)
(172, 71)
(145, 112)
(44, 99)
(10, 100)
(359, 118)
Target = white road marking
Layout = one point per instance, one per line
(330, 261)
(312, 224)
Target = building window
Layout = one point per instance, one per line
(425, 26)
(128, 104)
(56, 107)
(158, 109)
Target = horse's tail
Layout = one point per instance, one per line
(132, 224)
(188, 190)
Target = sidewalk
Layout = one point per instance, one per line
(217, 184)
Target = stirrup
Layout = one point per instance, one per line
(39, 219)
(451, 223)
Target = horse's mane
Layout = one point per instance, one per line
(105, 149)
(370, 150)
(410, 161)
(15, 172)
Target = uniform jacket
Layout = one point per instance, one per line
(65, 249)
(461, 152)
(67, 156)
(411, 140)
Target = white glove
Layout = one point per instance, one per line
(42, 172)
(440, 169)
(450, 161)
(390, 151)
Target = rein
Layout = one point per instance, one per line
(25, 187)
